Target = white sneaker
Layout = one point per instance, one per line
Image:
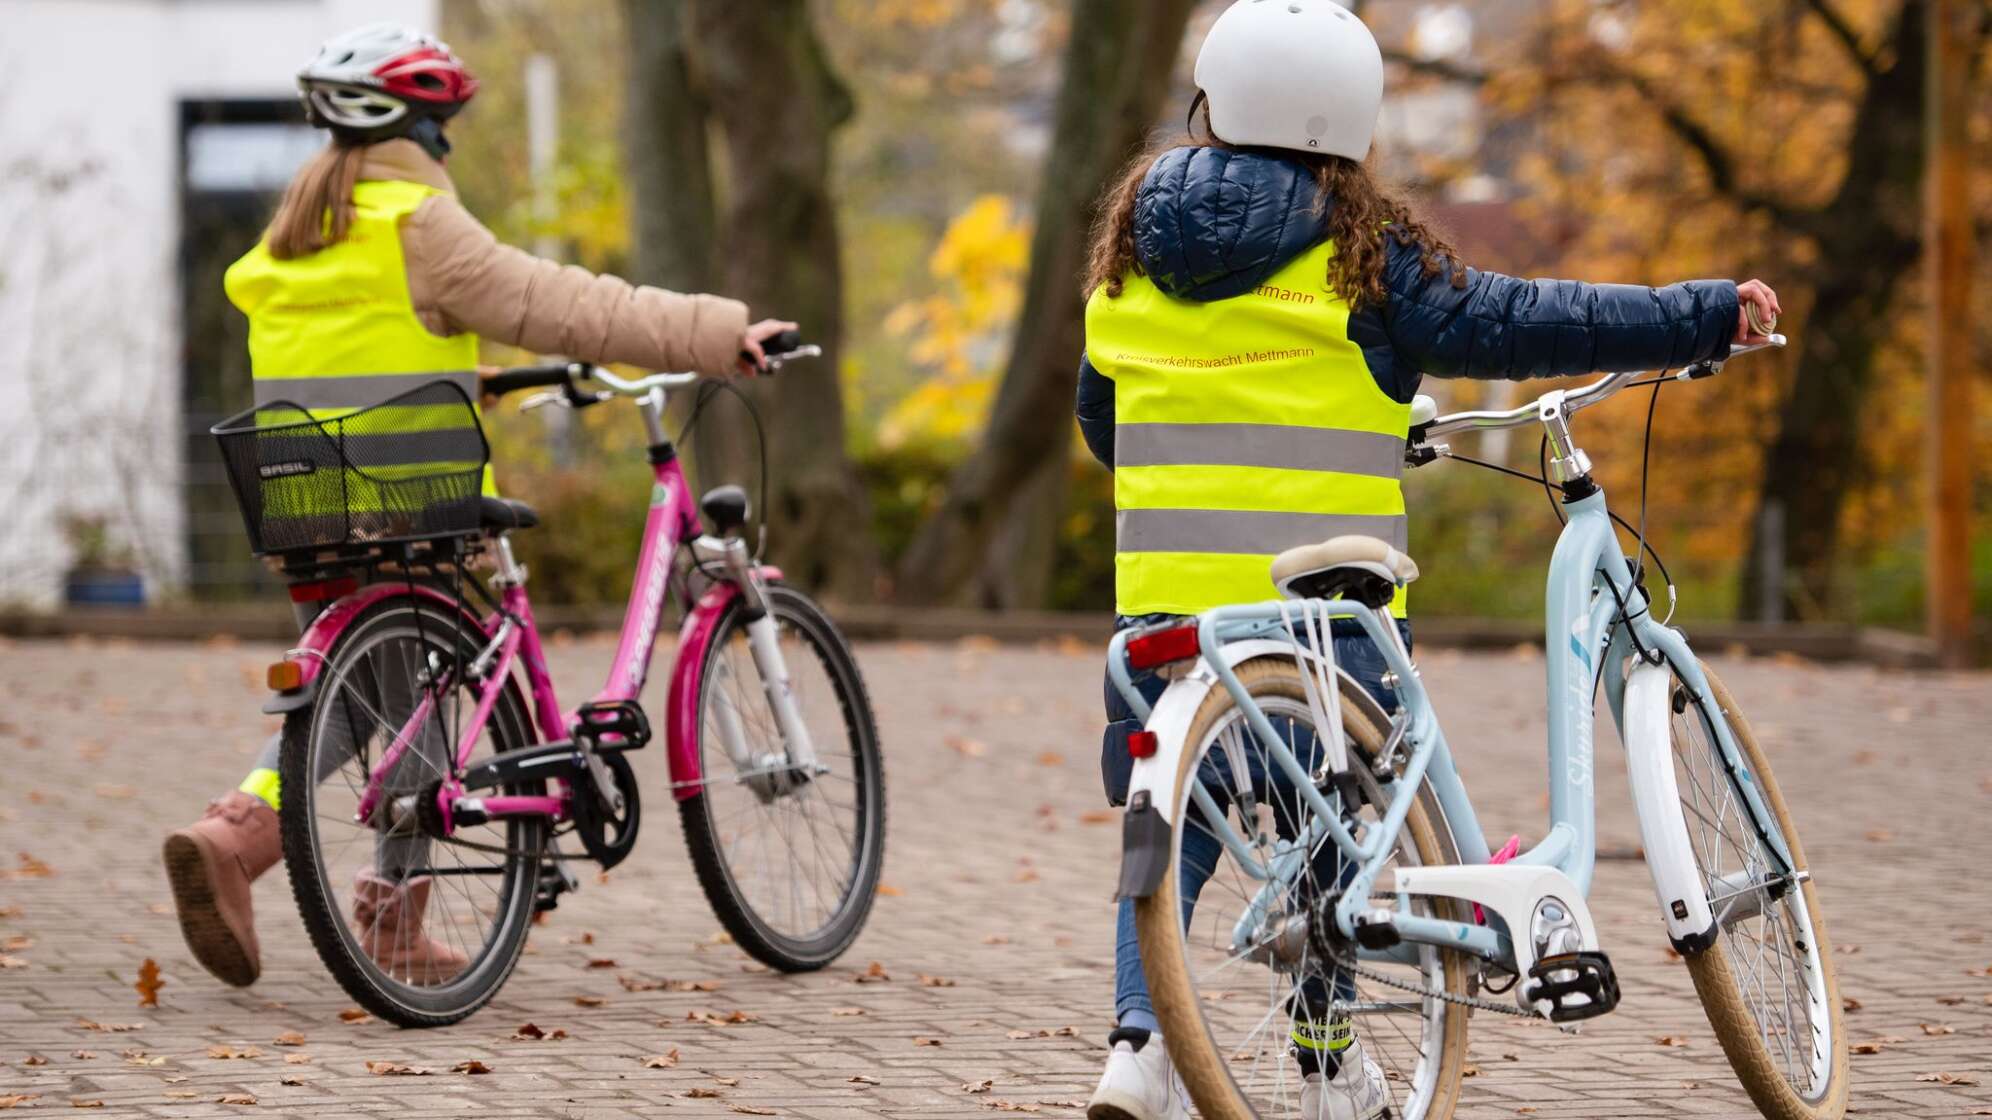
(1139, 1085)
(1358, 1091)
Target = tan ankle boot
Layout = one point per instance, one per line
(210, 866)
(387, 919)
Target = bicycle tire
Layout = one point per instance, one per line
(317, 898)
(751, 930)
(1722, 994)
(1179, 1005)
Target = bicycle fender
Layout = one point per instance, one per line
(1663, 830)
(681, 713)
(1146, 826)
(316, 644)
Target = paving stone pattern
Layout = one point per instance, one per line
(998, 877)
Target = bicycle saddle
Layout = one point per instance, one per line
(501, 514)
(1361, 568)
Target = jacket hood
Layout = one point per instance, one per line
(1212, 223)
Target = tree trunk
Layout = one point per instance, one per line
(770, 90)
(674, 220)
(989, 543)
(1869, 241)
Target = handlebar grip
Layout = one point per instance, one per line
(782, 343)
(527, 377)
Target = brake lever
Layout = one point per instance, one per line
(774, 362)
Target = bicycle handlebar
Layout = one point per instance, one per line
(1571, 400)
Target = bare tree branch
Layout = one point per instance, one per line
(1843, 31)
(1442, 68)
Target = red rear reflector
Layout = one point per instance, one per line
(285, 676)
(1178, 643)
(1141, 744)
(317, 591)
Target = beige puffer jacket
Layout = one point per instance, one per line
(461, 278)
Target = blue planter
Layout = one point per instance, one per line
(104, 588)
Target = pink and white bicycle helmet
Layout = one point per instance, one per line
(384, 80)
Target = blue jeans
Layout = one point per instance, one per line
(1356, 655)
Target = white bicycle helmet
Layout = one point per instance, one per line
(384, 80)
(1298, 74)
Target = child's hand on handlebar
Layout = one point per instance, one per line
(752, 358)
(1756, 312)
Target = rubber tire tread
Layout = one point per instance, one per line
(1715, 981)
(1158, 918)
(694, 814)
(322, 919)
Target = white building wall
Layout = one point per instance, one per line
(89, 309)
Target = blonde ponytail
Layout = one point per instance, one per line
(317, 209)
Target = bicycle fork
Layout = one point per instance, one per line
(769, 776)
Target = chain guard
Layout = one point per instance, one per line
(607, 838)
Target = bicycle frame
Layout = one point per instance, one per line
(1596, 617)
(511, 636)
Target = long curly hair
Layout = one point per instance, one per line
(1360, 213)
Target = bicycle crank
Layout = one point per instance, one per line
(606, 819)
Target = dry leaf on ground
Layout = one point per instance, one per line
(590, 1001)
(926, 1042)
(873, 974)
(397, 1069)
(224, 1052)
(353, 1015)
(1937, 1028)
(1948, 1078)
(289, 1038)
(981, 1086)
(149, 983)
(235, 1098)
(1670, 1040)
(472, 1066)
(889, 891)
(602, 962)
(863, 1081)
(750, 1110)
(846, 1012)
(927, 981)
(701, 1093)
(666, 1060)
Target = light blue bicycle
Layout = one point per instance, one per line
(1334, 871)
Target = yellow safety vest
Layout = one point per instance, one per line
(336, 332)
(1242, 427)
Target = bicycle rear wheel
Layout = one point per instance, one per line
(789, 858)
(1767, 982)
(419, 930)
(1227, 1011)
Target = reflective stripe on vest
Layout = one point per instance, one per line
(1244, 427)
(336, 331)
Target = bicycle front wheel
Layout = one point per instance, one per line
(788, 855)
(420, 929)
(1244, 967)
(1767, 982)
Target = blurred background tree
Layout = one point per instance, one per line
(913, 179)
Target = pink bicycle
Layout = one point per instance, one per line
(426, 791)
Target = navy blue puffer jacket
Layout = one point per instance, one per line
(1212, 223)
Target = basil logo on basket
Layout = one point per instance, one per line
(287, 469)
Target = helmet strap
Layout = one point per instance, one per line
(428, 132)
(1190, 118)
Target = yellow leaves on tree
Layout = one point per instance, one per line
(959, 333)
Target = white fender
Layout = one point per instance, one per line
(1663, 828)
(1170, 721)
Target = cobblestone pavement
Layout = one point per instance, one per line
(998, 877)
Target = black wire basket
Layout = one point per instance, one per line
(407, 469)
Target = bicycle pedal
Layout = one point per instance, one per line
(612, 725)
(554, 880)
(1576, 986)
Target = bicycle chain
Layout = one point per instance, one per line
(1498, 1007)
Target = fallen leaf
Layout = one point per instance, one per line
(666, 1060)
(927, 981)
(589, 1001)
(861, 1079)
(397, 1069)
(981, 1086)
(28, 867)
(529, 1032)
(728, 1082)
(887, 890)
(749, 1110)
(873, 975)
(1950, 1001)
(149, 983)
(700, 1092)
(1934, 1029)
(643, 984)
(1470, 1071)
(1879, 835)
(926, 1042)
(290, 1080)
(19, 943)
(1670, 1040)
(297, 1059)
(225, 1052)
(1850, 1004)
(16, 1100)
(967, 747)
(1050, 758)
(235, 1098)
(1010, 1106)
(472, 1066)
(35, 1060)
(353, 1015)
(1025, 875)
(602, 962)
(1948, 1078)
(1098, 816)
(109, 1028)
(7, 961)
(83, 1055)
(996, 939)
(846, 1012)
(289, 1038)
(75, 1103)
